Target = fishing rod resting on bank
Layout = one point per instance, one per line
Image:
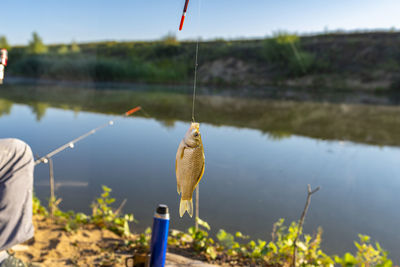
(53, 202)
(71, 144)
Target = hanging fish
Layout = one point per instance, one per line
(189, 167)
(183, 14)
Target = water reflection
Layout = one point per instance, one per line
(39, 109)
(5, 107)
(378, 125)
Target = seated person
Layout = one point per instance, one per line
(16, 185)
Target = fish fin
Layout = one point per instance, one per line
(200, 176)
(183, 152)
(177, 180)
(186, 205)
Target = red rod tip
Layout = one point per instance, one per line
(182, 20)
(129, 112)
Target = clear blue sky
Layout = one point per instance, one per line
(60, 21)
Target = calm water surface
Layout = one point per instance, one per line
(252, 178)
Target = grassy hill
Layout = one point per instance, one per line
(353, 60)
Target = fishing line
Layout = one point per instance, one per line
(146, 114)
(195, 79)
(196, 60)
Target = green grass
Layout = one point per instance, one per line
(361, 56)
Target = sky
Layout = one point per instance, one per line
(64, 21)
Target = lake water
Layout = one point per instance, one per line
(260, 156)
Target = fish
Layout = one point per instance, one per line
(189, 167)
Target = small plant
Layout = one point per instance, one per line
(37, 207)
(74, 221)
(367, 255)
(308, 248)
(201, 241)
(143, 242)
(104, 216)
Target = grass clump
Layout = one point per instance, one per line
(366, 255)
(103, 215)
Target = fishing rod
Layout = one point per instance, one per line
(71, 144)
(183, 14)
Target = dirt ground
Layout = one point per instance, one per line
(52, 246)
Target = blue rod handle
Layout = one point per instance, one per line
(159, 237)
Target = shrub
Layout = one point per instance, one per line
(284, 51)
(367, 255)
(36, 45)
(4, 43)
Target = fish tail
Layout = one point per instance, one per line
(186, 205)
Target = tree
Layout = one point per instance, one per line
(63, 49)
(75, 48)
(4, 43)
(36, 45)
(170, 39)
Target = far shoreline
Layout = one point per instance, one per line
(384, 97)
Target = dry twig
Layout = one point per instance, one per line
(117, 211)
(301, 222)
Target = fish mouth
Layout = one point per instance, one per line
(195, 126)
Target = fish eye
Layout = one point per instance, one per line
(196, 134)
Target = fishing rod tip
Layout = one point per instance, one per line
(129, 112)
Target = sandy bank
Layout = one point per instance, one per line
(52, 246)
